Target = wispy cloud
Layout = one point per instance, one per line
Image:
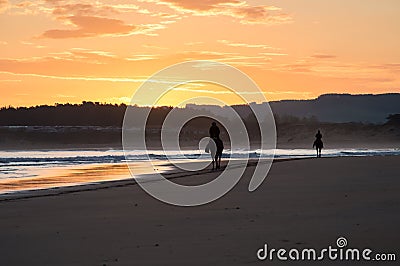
(88, 19)
(57, 96)
(269, 15)
(394, 67)
(109, 79)
(140, 57)
(236, 59)
(86, 9)
(360, 72)
(3, 5)
(149, 46)
(166, 80)
(246, 45)
(199, 90)
(31, 44)
(87, 26)
(323, 56)
(273, 54)
(237, 9)
(89, 52)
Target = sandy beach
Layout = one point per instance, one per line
(305, 203)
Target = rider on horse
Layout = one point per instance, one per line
(318, 144)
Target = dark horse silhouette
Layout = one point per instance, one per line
(215, 146)
(318, 144)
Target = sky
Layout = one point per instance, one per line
(56, 51)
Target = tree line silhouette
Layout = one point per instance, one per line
(84, 114)
(111, 115)
(98, 124)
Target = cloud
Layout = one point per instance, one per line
(63, 96)
(141, 57)
(89, 19)
(81, 10)
(73, 54)
(366, 74)
(138, 79)
(395, 67)
(261, 15)
(92, 10)
(3, 5)
(274, 54)
(149, 46)
(200, 5)
(83, 55)
(64, 8)
(238, 9)
(34, 45)
(235, 59)
(323, 56)
(248, 45)
(89, 52)
(255, 46)
(90, 26)
(108, 79)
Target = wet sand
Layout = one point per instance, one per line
(74, 178)
(305, 203)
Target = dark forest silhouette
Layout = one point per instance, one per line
(102, 114)
(353, 108)
(85, 114)
(96, 124)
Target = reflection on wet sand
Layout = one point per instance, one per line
(77, 175)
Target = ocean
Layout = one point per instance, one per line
(43, 169)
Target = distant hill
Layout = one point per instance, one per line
(339, 108)
(332, 108)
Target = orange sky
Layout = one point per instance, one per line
(68, 51)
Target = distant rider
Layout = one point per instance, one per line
(214, 131)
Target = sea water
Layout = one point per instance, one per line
(22, 170)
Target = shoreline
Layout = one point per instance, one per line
(348, 144)
(170, 174)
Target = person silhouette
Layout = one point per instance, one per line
(214, 131)
(217, 148)
(318, 135)
(318, 144)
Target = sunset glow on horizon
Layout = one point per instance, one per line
(56, 51)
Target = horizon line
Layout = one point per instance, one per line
(130, 104)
